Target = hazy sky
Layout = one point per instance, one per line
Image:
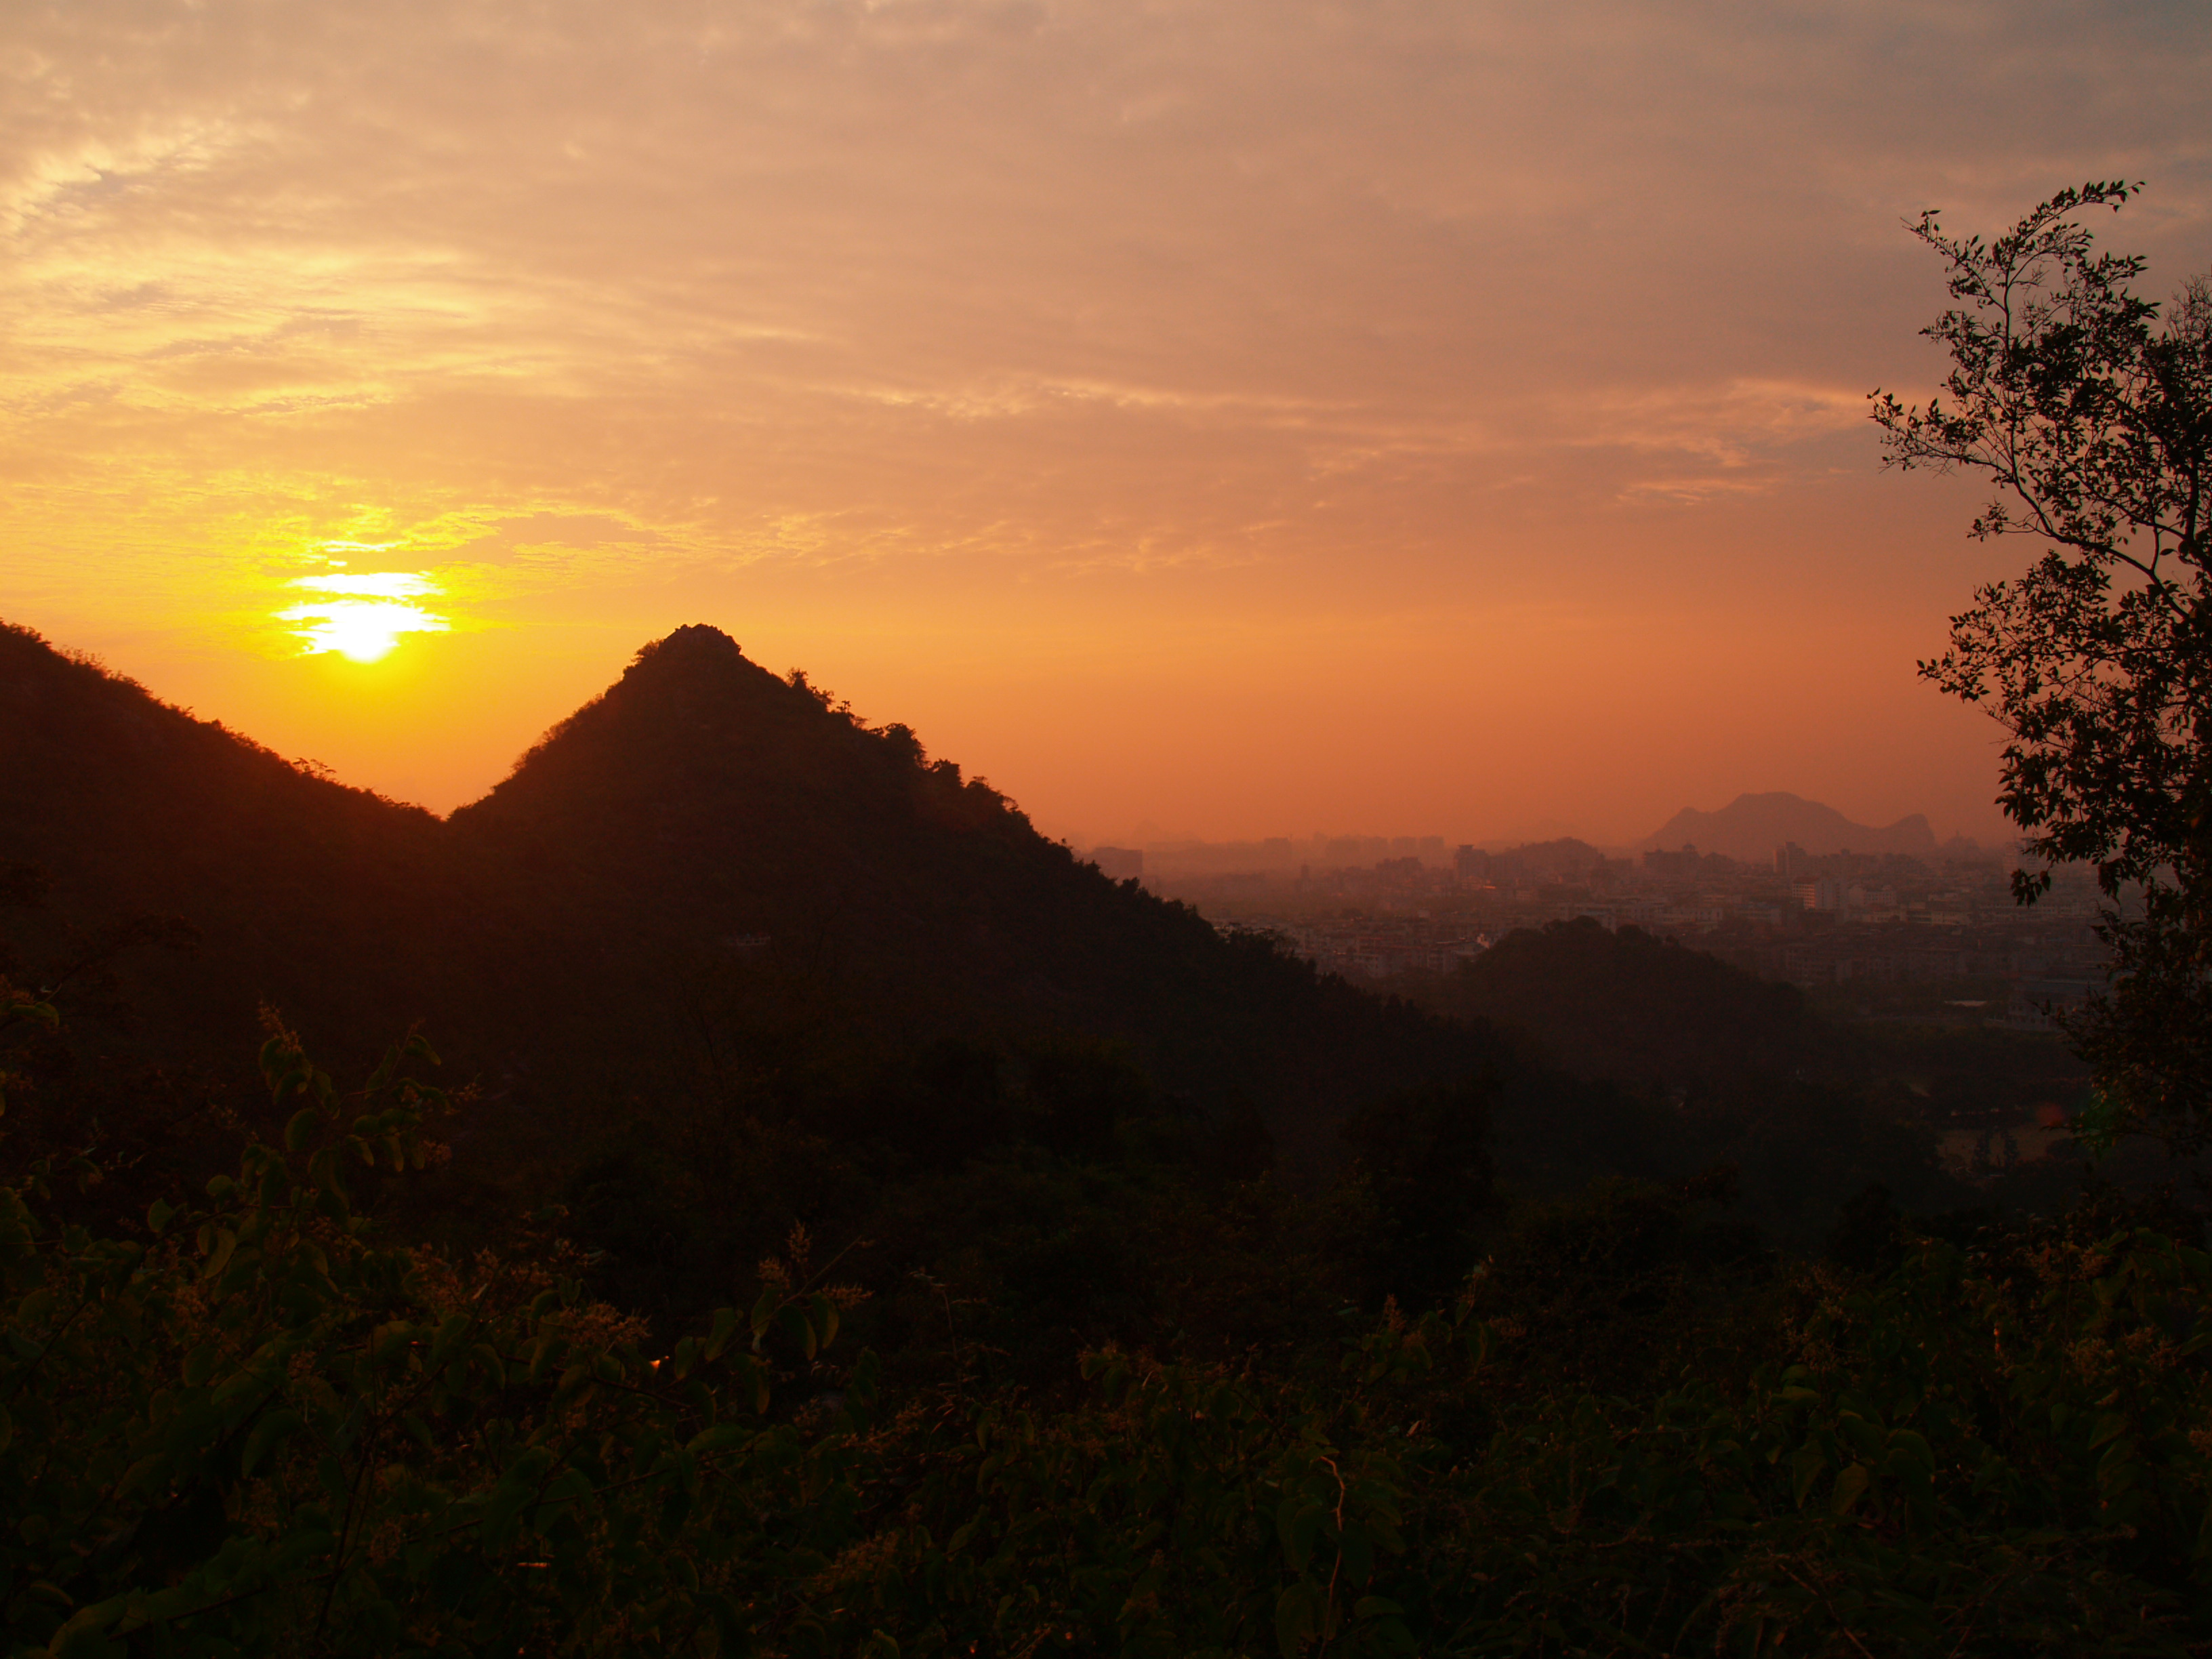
(1250, 417)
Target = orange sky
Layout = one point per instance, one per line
(1247, 417)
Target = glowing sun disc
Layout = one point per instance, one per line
(360, 630)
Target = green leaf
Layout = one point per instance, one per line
(270, 1432)
(1907, 1446)
(721, 1436)
(1298, 1619)
(86, 1622)
(748, 1374)
(501, 1511)
(567, 1486)
(725, 1323)
(1357, 1550)
(1296, 1525)
(299, 1128)
(2100, 1124)
(1850, 1486)
(1864, 1438)
(763, 1311)
(1804, 1469)
(158, 1214)
(137, 1472)
(867, 1377)
(452, 1331)
(487, 1360)
(792, 1323)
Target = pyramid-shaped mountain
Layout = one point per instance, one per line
(707, 879)
(705, 828)
(1751, 826)
(705, 807)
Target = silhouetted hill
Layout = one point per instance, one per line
(1689, 1063)
(704, 829)
(1637, 1009)
(1751, 826)
(707, 884)
(722, 959)
(293, 889)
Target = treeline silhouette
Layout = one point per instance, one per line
(1698, 1063)
(708, 889)
(843, 1222)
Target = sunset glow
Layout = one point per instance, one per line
(1427, 418)
(1162, 695)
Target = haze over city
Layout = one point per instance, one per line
(1237, 419)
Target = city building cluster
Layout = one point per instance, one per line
(1811, 918)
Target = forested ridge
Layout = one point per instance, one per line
(737, 1187)
(702, 834)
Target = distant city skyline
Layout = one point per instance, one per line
(1996, 834)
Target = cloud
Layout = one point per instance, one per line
(766, 212)
(1341, 295)
(547, 534)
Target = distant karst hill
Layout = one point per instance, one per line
(1751, 826)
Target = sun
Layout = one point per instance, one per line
(358, 630)
(363, 617)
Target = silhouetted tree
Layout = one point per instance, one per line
(2091, 413)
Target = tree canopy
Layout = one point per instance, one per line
(2088, 407)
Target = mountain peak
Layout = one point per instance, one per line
(1752, 825)
(693, 642)
(696, 657)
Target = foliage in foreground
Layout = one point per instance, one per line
(263, 1432)
(258, 1428)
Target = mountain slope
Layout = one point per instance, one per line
(293, 889)
(1751, 826)
(1638, 1009)
(707, 884)
(705, 828)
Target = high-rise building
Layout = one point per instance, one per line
(1821, 893)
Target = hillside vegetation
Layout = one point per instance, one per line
(825, 1217)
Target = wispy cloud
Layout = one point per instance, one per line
(1024, 290)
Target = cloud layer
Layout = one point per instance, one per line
(984, 321)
